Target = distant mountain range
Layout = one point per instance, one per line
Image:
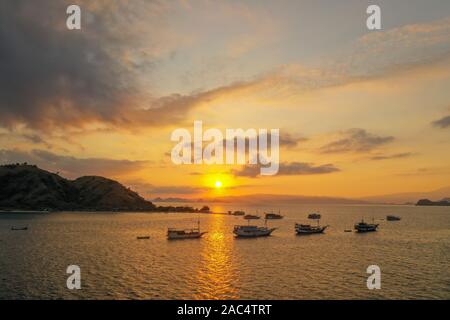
(256, 199)
(399, 198)
(26, 187)
(426, 202)
(410, 197)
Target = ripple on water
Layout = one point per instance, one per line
(413, 254)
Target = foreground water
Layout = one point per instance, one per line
(413, 254)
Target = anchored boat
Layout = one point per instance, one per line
(251, 217)
(365, 227)
(304, 229)
(252, 231)
(273, 216)
(314, 216)
(393, 218)
(194, 233)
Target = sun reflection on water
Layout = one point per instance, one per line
(216, 272)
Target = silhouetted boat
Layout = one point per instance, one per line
(194, 233)
(19, 229)
(273, 216)
(143, 237)
(251, 217)
(393, 218)
(238, 213)
(304, 229)
(365, 227)
(252, 231)
(314, 216)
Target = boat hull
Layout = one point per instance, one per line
(273, 217)
(367, 228)
(185, 236)
(251, 217)
(301, 232)
(255, 234)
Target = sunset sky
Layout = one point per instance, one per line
(360, 112)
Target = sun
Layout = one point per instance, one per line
(218, 184)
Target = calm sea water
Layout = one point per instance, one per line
(413, 254)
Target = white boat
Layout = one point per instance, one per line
(194, 233)
(252, 231)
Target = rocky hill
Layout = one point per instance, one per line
(27, 187)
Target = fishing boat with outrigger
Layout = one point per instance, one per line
(273, 216)
(365, 227)
(305, 229)
(314, 216)
(252, 231)
(393, 218)
(251, 217)
(194, 233)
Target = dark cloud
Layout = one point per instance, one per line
(393, 156)
(287, 169)
(51, 74)
(288, 141)
(31, 137)
(355, 140)
(71, 167)
(442, 123)
(54, 77)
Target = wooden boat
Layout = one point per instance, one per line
(305, 229)
(143, 237)
(365, 227)
(252, 231)
(194, 233)
(251, 217)
(314, 216)
(273, 216)
(393, 218)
